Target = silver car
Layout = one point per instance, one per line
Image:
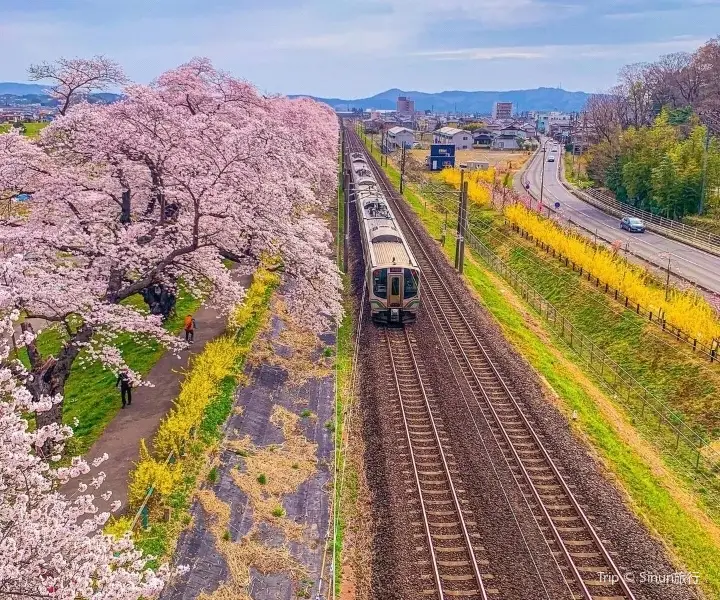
(632, 224)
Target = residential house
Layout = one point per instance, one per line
(509, 138)
(483, 138)
(461, 139)
(397, 137)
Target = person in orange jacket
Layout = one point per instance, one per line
(189, 329)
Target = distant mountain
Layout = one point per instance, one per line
(21, 89)
(43, 99)
(470, 102)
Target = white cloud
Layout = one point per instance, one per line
(569, 51)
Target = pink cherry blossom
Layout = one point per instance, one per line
(159, 188)
(51, 544)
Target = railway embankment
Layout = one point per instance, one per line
(660, 494)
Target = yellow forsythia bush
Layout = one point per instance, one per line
(216, 362)
(479, 183)
(263, 281)
(208, 369)
(151, 473)
(684, 309)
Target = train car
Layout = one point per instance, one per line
(392, 273)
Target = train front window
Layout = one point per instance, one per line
(380, 283)
(411, 284)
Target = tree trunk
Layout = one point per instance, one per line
(160, 300)
(49, 377)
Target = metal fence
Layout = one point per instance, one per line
(671, 432)
(656, 317)
(665, 426)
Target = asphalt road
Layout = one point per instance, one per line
(691, 264)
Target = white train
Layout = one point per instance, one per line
(392, 273)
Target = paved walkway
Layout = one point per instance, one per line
(121, 438)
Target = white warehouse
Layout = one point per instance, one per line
(397, 137)
(461, 139)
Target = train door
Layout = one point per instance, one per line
(395, 294)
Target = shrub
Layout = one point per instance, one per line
(204, 402)
(686, 310)
(151, 473)
(478, 183)
(213, 475)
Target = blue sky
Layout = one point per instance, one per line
(355, 48)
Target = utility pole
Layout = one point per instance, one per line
(667, 281)
(402, 169)
(704, 170)
(464, 213)
(542, 176)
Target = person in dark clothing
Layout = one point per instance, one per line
(125, 388)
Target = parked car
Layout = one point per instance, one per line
(632, 224)
(417, 146)
(551, 158)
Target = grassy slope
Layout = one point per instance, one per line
(90, 393)
(655, 495)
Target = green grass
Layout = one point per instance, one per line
(346, 498)
(262, 479)
(579, 178)
(669, 369)
(90, 392)
(32, 130)
(650, 496)
(709, 223)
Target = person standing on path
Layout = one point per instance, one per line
(189, 329)
(125, 388)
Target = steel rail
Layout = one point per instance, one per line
(423, 396)
(443, 460)
(392, 195)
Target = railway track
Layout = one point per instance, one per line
(454, 568)
(588, 567)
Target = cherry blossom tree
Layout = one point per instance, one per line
(72, 79)
(157, 188)
(52, 546)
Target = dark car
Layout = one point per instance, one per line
(632, 224)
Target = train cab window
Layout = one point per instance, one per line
(380, 283)
(411, 284)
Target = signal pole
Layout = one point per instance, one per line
(402, 169)
(459, 236)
